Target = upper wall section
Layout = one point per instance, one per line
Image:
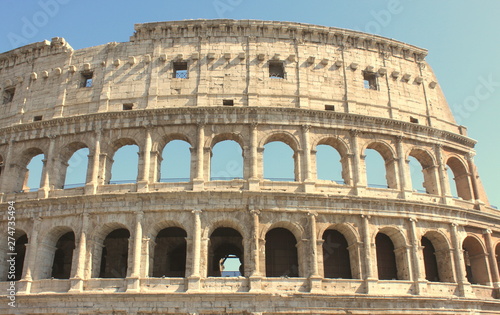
(224, 62)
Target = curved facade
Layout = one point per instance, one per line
(305, 244)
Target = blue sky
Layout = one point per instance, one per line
(461, 36)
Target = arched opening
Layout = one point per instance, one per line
(76, 172)
(460, 177)
(476, 265)
(226, 162)
(20, 255)
(442, 256)
(451, 183)
(380, 166)
(417, 175)
(281, 254)
(114, 257)
(63, 257)
(176, 163)
(170, 253)
(375, 169)
(225, 254)
(328, 164)
(386, 258)
(125, 165)
(430, 261)
(34, 174)
(279, 162)
(336, 259)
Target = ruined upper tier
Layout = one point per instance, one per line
(217, 62)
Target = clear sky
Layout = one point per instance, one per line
(462, 38)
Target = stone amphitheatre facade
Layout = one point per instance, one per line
(307, 246)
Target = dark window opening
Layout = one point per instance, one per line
(281, 254)
(180, 70)
(370, 80)
(61, 267)
(128, 106)
(37, 118)
(228, 102)
(114, 258)
(276, 70)
(226, 253)
(8, 95)
(430, 262)
(170, 253)
(336, 259)
(20, 255)
(413, 120)
(87, 79)
(330, 107)
(386, 258)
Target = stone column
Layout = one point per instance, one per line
(416, 258)
(253, 181)
(194, 278)
(91, 187)
(143, 183)
(404, 170)
(199, 180)
(255, 276)
(476, 191)
(443, 182)
(81, 256)
(7, 170)
(314, 277)
(359, 180)
(308, 182)
(31, 254)
(367, 244)
(48, 169)
(458, 258)
(134, 279)
(495, 277)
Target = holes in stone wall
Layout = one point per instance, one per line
(8, 95)
(276, 70)
(87, 79)
(63, 256)
(228, 102)
(370, 80)
(128, 106)
(180, 70)
(336, 260)
(281, 254)
(226, 162)
(330, 107)
(176, 163)
(114, 257)
(170, 253)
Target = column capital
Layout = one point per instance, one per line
(354, 132)
(255, 212)
(487, 231)
(470, 156)
(366, 216)
(412, 219)
(312, 214)
(254, 125)
(197, 211)
(399, 138)
(306, 127)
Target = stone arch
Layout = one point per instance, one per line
(20, 241)
(56, 253)
(343, 149)
(235, 167)
(281, 253)
(228, 223)
(291, 142)
(476, 262)
(429, 170)
(113, 149)
(296, 229)
(224, 242)
(337, 256)
(388, 155)
(159, 149)
(390, 266)
(461, 177)
(20, 168)
(98, 239)
(443, 256)
(168, 257)
(62, 163)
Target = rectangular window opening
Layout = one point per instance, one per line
(276, 70)
(180, 70)
(128, 106)
(228, 102)
(413, 120)
(8, 95)
(330, 107)
(370, 80)
(87, 79)
(37, 118)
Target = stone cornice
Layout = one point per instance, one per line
(301, 32)
(245, 115)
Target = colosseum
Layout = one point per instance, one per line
(305, 245)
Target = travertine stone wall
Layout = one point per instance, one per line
(135, 98)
